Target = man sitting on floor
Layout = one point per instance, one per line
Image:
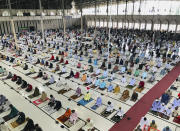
(40, 74)
(123, 69)
(29, 88)
(77, 75)
(102, 85)
(96, 83)
(136, 74)
(51, 80)
(66, 115)
(45, 76)
(58, 105)
(123, 79)
(115, 69)
(89, 125)
(134, 96)
(24, 84)
(110, 88)
(125, 95)
(84, 77)
(21, 118)
(119, 114)
(141, 85)
(14, 78)
(98, 102)
(156, 106)
(13, 113)
(109, 108)
(36, 92)
(116, 90)
(43, 96)
(78, 92)
(56, 69)
(144, 75)
(165, 98)
(73, 117)
(105, 74)
(9, 76)
(88, 81)
(71, 74)
(63, 71)
(97, 72)
(87, 96)
(25, 67)
(51, 101)
(132, 82)
(32, 71)
(152, 78)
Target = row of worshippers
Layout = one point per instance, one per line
(145, 125)
(20, 119)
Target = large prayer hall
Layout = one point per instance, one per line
(89, 65)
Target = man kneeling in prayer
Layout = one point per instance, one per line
(87, 96)
(109, 108)
(21, 118)
(119, 114)
(134, 96)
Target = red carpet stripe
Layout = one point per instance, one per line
(144, 104)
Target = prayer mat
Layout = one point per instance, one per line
(31, 96)
(15, 124)
(62, 119)
(63, 91)
(69, 124)
(94, 129)
(176, 120)
(139, 89)
(93, 86)
(83, 102)
(130, 87)
(38, 101)
(102, 89)
(7, 118)
(87, 84)
(94, 107)
(82, 71)
(108, 114)
(47, 84)
(74, 97)
(48, 109)
(115, 119)
(27, 74)
(61, 73)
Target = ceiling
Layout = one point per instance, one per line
(50, 4)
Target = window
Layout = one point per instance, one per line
(131, 25)
(114, 24)
(119, 25)
(164, 27)
(148, 26)
(178, 29)
(110, 24)
(156, 26)
(101, 23)
(136, 26)
(97, 23)
(142, 26)
(172, 27)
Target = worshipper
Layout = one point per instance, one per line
(102, 85)
(103, 65)
(78, 92)
(19, 80)
(51, 102)
(58, 105)
(154, 70)
(13, 113)
(57, 68)
(153, 125)
(52, 57)
(43, 96)
(176, 103)
(91, 69)
(29, 126)
(45, 76)
(129, 71)
(66, 115)
(73, 117)
(119, 113)
(111, 77)
(36, 92)
(21, 118)
(134, 96)
(50, 65)
(87, 96)
(167, 113)
(89, 125)
(132, 82)
(25, 67)
(62, 60)
(125, 95)
(110, 88)
(40, 74)
(9, 76)
(57, 59)
(152, 78)
(63, 71)
(66, 62)
(123, 69)
(14, 78)
(84, 77)
(115, 69)
(79, 65)
(88, 81)
(97, 72)
(29, 88)
(123, 79)
(141, 85)
(166, 129)
(51, 80)
(136, 73)
(90, 60)
(105, 74)
(144, 75)
(141, 66)
(109, 108)
(2, 99)
(116, 90)
(175, 113)
(165, 98)
(95, 62)
(37, 128)
(143, 122)
(98, 101)
(24, 84)
(77, 75)
(32, 71)
(163, 72)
